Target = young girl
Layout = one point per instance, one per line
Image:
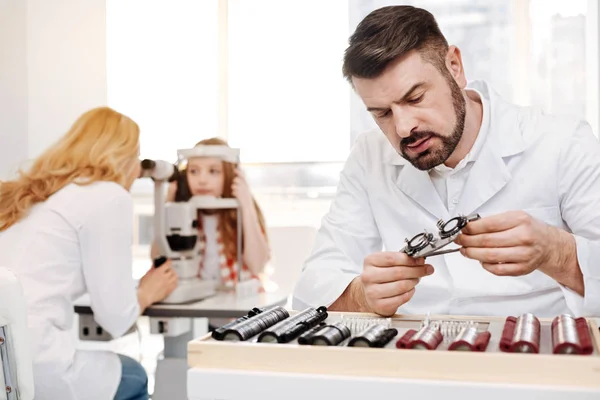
(218, 228)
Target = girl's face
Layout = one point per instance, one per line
(205, 176)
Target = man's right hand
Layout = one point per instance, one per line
(388, 280)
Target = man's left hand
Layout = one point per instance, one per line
(512, 244)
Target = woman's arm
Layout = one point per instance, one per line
(144, 299)
(106, 258)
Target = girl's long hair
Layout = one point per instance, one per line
(227, 218)
(102, 145)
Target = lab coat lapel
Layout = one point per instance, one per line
(490, 173)
(417, 185)
(487, 177)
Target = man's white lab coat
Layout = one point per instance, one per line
(548, 166)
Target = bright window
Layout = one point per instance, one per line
(285, 102)
(162, 61)
(288, 101)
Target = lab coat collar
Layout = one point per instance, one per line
(489, 173)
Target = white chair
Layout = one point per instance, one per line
(17, 369)
(290, 246)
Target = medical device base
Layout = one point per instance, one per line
(247, 289)
(190, 290)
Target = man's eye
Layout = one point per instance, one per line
(383, 115)
(416, 100)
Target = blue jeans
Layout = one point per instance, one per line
(134, 381)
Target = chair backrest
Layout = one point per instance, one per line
(16, 374)
(290, 246)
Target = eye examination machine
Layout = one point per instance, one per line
(176, 226)
(176, 223)
(176, 234)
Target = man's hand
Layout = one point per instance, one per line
(389, 279)
(515, 244)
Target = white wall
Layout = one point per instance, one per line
(162, 70)
(13, 84)
(52, 69)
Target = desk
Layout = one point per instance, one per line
(171, 371)
(222, 305)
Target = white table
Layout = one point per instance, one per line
(170, 377)
(222, 305)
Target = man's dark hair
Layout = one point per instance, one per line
(389, 33)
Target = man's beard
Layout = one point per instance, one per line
(436, 155)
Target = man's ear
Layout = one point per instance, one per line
(455, 66)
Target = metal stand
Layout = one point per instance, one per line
(7, 357)
(171, 371)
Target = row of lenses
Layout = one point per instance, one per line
(569, 335)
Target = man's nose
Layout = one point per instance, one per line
(404, 122)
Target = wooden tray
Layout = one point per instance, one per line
(492, 366)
